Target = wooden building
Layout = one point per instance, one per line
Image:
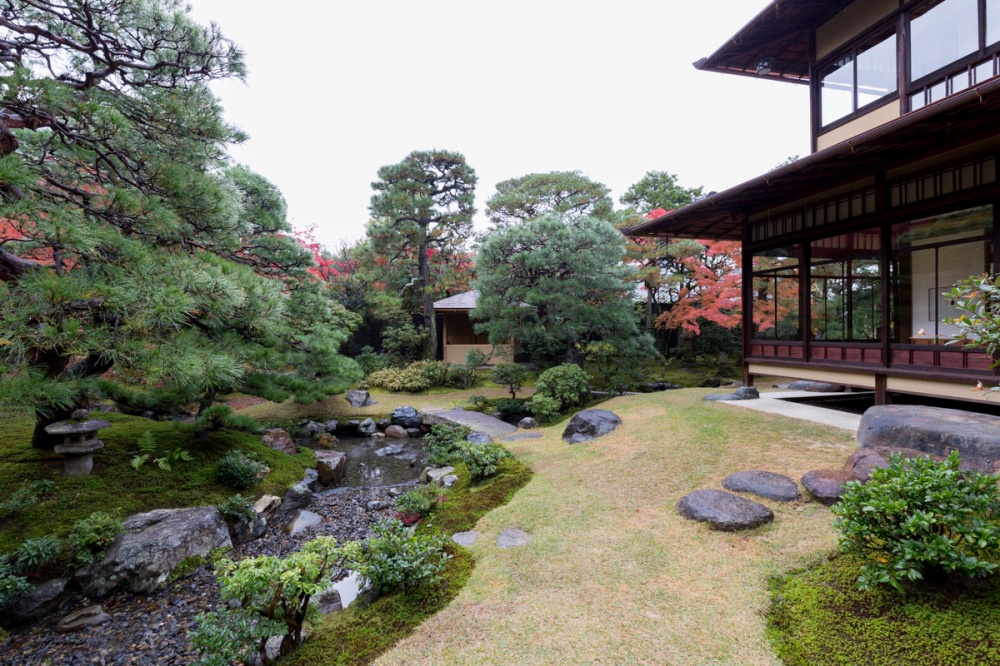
(458, 335)
(847, 252)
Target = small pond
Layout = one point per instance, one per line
(378, 462)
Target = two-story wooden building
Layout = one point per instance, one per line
(847, 252)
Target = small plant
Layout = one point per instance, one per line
(444, 442)
(274, 596)
(29, 493)
(239, 469)
(544, 408)
(238, 509)
(477, 358)
(12, 586)
(483, 458)
(567, 383)
(395, 560)
(919, 518)
(219, 417)
(147, 450)
(37, 553)
(479, 403)
(510, 375)
(461, 376)
(90, 536)
(413, 505)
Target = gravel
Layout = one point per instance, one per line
(151, 630)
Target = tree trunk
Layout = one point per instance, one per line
(92, 366)
(427, 300)
(41, 439)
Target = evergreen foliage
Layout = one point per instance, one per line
(565, 193)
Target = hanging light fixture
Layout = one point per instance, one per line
(765, 66)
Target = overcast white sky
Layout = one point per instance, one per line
(338, 88)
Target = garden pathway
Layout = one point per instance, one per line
(493, 427)
(780, 402)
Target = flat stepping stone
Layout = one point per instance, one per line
(763, 484)
(826, 485)
(523, 435)
(512, 538)
(465, 538)
(91, 616)
(723, 511)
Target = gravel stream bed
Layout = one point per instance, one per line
(151, 630)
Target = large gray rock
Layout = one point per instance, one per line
(314, 427)
(367, 427)
(279, 440)
(245, 531)
(298, 497)
(934, 430)
(742, 393)
(359, 399)
(723, 511)
(39, 601)
(763, 484)
(406, 417)
(332, 467)
(527, 423)
(826, 485)
(153, 544)
(396, 432)
(590, 423)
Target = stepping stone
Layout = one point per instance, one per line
(826, 485)
(91, 616)
(512, 538)
(303, 520)
(590, 424)
(723, 511)
(764, 484)
(465, 538)
(523, 435)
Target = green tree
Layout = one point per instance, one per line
(568, 193)
(128, 243)
(554, 285)
(422, 207)
(658, 189)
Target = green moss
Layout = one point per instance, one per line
(818, 617)
(466, 504)
(115, 484)
(369, 627)
(186, 567)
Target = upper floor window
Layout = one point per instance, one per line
(863, 76)
(942, 33)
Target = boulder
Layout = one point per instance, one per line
(359, 399)
(396, 432)
(713, 382)
(267, 505)
(826, 485)
(298, 497)
(311, 478)
(590, 423)
(934, 430)
(656, 387)
(723, 511)
(382, 424)
(391, 450)
(407, 417)
(279, 440)
(332, 467)
(742, 393)
(435, 474)
(152, 546)
(314, 428)
(763, 484)
(91, 616)
(367, 428)
(331, 426)
(815, 387)
(328, 601)
(414, 432)
(527, 423)
(512, 538)
(863, 462)
(39, 601)
(243, 531)
(479, 438)
(449, 481)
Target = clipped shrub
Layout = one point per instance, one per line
(395, 560)
(443, 443)
(273, 595)
(29, 493)
(239, 469)
(36, 553)
(90, 536)
(414, 378)
(918, 518)
(544, 408)
(510, 375)
(476, 358)
(483, 458)
(461, 376)
(567, 383)
(479, 403)
(413, 505)
(238, 509)
(12, 586)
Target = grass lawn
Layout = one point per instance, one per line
(613, 575)
(114, 484)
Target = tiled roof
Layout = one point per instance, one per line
(464, 301)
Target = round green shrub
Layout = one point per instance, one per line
(544, 408)
(239, 469)
(483, 458)
(567, 383)
(395, 560)
(919, 518)
(444, 442)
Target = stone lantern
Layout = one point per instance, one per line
(79, 444)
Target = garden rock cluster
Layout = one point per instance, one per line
(590, 424)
